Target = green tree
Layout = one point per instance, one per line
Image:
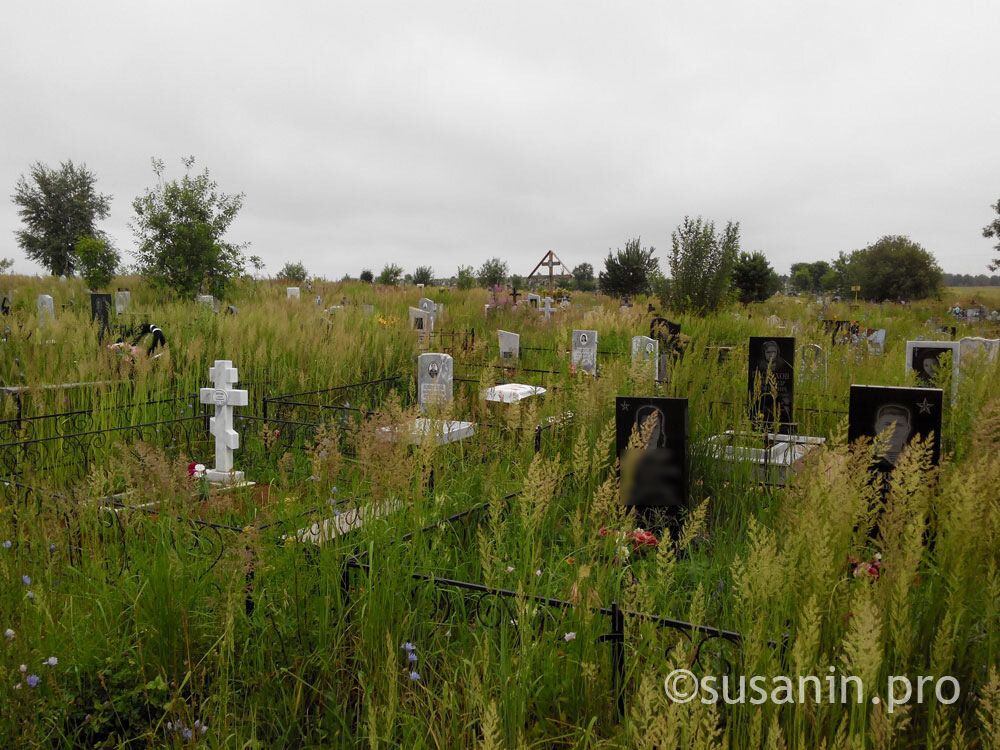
(180, 226)
(423, 275)
(894, 267)
(492, 273)
(367, 276)
(754, 278)
(808, 277)
(466, 278)
(97, 260)
(257, 263)
(516, 282)
(293, 272)
(992, 231)
(390, 275)
(583, 276)
(802, 280)
(628, 271)
(701, 264)
(58, 206)
(6, 264)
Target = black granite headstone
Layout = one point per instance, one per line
(100, 310)
(654, 475)
(908, 411)
(771, 380)
(925, 361)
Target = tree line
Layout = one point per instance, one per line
(180, 227)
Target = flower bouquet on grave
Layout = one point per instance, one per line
(197, 472)
(869, 570)
(629, 544)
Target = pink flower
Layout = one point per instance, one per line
(642, 539)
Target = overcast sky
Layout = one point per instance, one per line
(444, 133)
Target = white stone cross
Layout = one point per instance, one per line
(548, 309)
(224, 375)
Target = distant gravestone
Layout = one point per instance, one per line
(646, 350)
(232, 310)
(422, 322)
(547, 308)
(427, 305)
(292, 292)
(5, 305)
(876, 341)
(510, 346)
(206, 299)
(533, 300)
(122, 299)
(435, 380)
(100, 311)
(46, 308)
(770, 380)
(584, 353)
(925, 358)
(227, 440)
(908, 412)
(974, 346)
(812, 362)
(368, 309)
(654, 474)
(318, 300)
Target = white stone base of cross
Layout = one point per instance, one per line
(227, 440)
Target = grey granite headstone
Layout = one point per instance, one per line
(122, 299)
(435, 381)
(647, 351)
(46, 308)
(584, 354)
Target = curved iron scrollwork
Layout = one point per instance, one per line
(195, 541)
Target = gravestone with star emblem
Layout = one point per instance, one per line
(224, 397)
(901, 413)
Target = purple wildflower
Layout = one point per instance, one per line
(414, 676)
(51, 661)
(33, 680)
(408, 647)
(31, 595)
(412, 657)
(26, 580)
(7, 544)
(9, 634)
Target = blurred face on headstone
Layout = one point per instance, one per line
(930, 366)
(770, 352)
(899, 419)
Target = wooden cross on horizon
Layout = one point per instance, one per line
(550, 260)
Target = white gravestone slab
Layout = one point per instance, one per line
(227, 440)
(440, 431)
(46, 308)
(781, 456)
(876, 342)
(122, 299)
(922, 357)
(647, 351)
(533, 300)
(206, 299)
(422, 322)
(292, 292)
(510, 346)
(435, 380)
(511, 393)
(584, 354)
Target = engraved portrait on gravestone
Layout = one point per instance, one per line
(770, 383)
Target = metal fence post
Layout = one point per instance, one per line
(617, 640)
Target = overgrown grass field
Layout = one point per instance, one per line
(143, 608)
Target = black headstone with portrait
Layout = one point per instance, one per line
(654, 475)
(100, 310)
(771, 381)
(909, 412)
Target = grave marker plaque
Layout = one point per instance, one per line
(292, 292)
(907, 411)
(654, 475)
(770, 380)
(122, 299)
(434, 380)
(510, 346)
(647, 351)
(46, 308)
(100, 310)
(925, 359)
(584, 354)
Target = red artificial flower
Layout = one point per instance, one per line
(191, 468)
(641, 539)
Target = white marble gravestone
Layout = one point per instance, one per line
(876, 342)
(533, 300)
(422, 322)
(46, 308)
(435, 380)
(511, 393)
(292, 292)
(206, 299)
(227, 440)
(510, 346)
(647, 351)
(584, 353)
(122, 299)
(772, 457)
